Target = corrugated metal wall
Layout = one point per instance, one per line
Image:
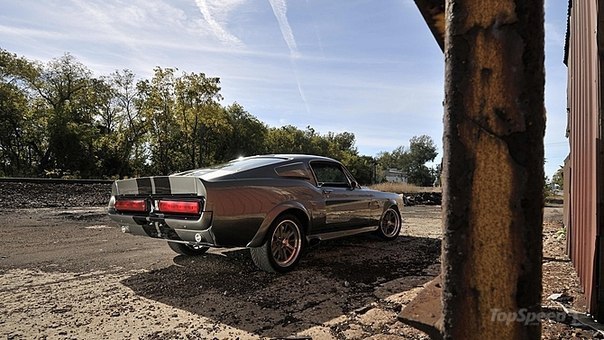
(584, 105)
(566, 186)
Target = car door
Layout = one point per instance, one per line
(344, 207)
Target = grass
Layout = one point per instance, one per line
(400, 188)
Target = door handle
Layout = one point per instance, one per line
(327, 191)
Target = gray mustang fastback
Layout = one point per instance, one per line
(273, 204)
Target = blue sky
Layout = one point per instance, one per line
(367, 67)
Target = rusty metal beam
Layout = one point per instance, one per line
(433, 12)
(493, 167)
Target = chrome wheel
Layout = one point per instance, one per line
(282, 247)
(286, 243)
(390, 225)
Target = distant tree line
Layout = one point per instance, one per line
(412, 161)
(58, 120)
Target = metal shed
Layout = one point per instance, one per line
(584, 166)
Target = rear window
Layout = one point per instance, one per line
(247, 163)
(232, 167)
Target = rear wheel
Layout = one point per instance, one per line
(390, 225)
(188, 250)
(283, 246)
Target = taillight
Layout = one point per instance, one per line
(179, 207)
(131, 205)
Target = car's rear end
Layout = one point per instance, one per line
(166, 207)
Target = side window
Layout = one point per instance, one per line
(296, 170)
(330, 175)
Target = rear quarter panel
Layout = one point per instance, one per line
(241, 206)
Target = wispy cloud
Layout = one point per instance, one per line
(300, 90)
(208, 10)
(32, 32)
(280, 11)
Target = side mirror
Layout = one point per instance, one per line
(354, 185)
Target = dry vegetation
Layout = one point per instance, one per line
(400, 188)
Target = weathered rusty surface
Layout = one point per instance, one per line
(493, 167)
(424, 312)
(583, 173)
(433, 12)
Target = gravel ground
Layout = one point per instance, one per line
(42, 195)
(66, 272)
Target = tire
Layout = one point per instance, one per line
(282, 248)
(390, 224)
(187, 250)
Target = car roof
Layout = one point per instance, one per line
(293, 156)
(245, 164)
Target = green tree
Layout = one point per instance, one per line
(131, 129)
(341, 143)
(558, 178)
(398, 158)
(106, 144)
(340, 146)
(248, 135)
(185, 121)
(20, 133)
(198, 116)
(286, 139)
(362, 168)
(69, 105)
(412, 161)
(157, 103)
(421, 150)
(215, 127)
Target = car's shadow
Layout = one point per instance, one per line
(333, 279)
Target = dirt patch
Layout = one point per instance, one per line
(559, 277)
(335, 279)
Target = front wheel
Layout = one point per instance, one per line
(188, 250)
(390, 225)
(283, 246)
